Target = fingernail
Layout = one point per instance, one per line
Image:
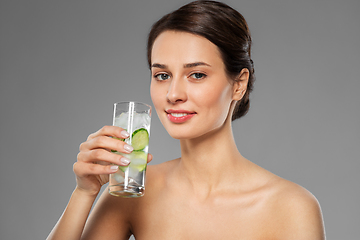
(128, 148)
(125, 161)
(114, 168)
(124, 134)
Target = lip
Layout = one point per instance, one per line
(182, 119)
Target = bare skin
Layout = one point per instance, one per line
(212, 191)
(172, 210)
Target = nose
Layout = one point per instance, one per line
(177, 91)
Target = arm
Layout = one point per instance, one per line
(71, 223)
(94, 164)
(110, 218)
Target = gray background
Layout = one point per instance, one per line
(63, 64)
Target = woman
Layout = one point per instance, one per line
(202, 75)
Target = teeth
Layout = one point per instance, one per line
(178, 114)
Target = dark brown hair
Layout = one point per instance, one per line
(224, 27)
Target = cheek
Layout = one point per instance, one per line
(212, 95)
(217, 101)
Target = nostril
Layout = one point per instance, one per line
(174, 100)
(177, 91)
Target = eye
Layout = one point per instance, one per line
(198, 76)
(162, 76)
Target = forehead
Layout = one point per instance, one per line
(176, 47)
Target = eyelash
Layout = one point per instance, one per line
(202, 75)
(156, 76)
(167, 76)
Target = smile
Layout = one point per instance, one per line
(179, 116)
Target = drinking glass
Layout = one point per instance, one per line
(134, 117)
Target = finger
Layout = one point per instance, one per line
(82, 169)
(103, 157)
(106, 143)
(113, 131)
(149, 158)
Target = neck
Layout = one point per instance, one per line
(211, 161)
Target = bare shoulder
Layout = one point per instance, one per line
(165, 166)
(159, 172)
(295, 209)
(291, 193)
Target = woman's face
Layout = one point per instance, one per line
(190, 90)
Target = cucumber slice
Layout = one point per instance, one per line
(123, 168)
(140, 139)
(138, 155)
(138, 164)
(138, 160)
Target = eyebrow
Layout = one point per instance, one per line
(195, 64)
(187, 65)
(158, 65)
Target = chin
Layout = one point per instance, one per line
(188, 132)
(181, 134)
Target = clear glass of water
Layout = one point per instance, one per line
(134, 117)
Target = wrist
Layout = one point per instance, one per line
(85, 194)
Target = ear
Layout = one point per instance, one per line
(240, 85)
